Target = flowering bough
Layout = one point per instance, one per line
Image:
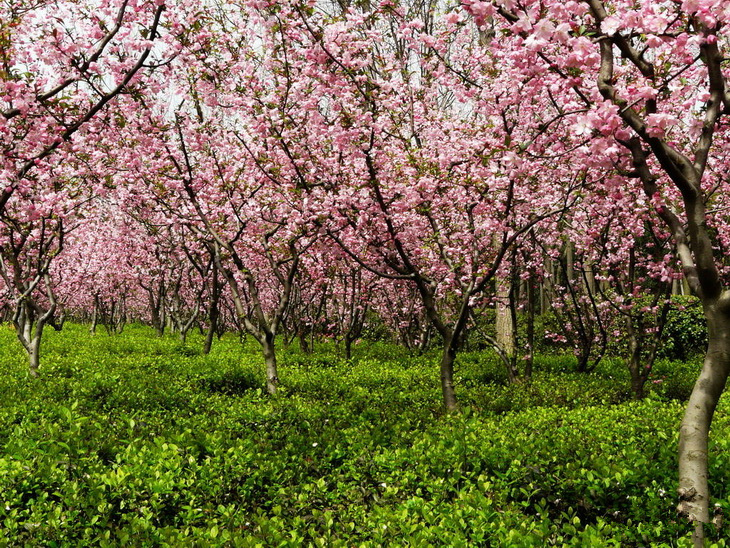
(652, 79)
(61, 66)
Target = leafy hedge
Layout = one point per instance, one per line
(685, 334)
(137, 440)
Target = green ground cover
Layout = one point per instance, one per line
(134, 440)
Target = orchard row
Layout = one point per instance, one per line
(307, 166)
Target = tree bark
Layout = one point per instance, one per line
(29, 328)
(213, 310)
(156, 313)
(348, 346)
(694, 433)
(569, 262)
(34, 354)
(272, 377)
(303, 343)
(94, 316)
(448, 357)
(208, 345)
(637, 378)
(504, 324)
(530, 342)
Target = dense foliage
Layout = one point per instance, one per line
(685, 333)
(135, 439)
(317, 170)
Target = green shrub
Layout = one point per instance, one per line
(685, 333)
(125, 440)
(230, 383)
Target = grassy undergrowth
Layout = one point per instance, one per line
(135, 440)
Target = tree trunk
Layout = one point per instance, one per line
(530, 342)
(272, 378)
(121, 318)
(185, 327)
(158, 322)
(583, 358)
(569, 262)
(34, 354)
(638, 377)
(58, 322)
(303, 343)
(348, 346)
(676, 287)
(589, 277)
(29, 329)
(504, 323)
(209, 336)
(94, 317)
(425, 338)
(693, 435)
(220, 328)
(448, 357)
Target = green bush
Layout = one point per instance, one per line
(685, 333)
(125, 440)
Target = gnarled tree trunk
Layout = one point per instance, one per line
(694, 493)
(272, 373)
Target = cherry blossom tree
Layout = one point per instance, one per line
(62, 65)
(302, 162)
(405, 147)
(650, 82)
(332, 298)
(29, 244)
